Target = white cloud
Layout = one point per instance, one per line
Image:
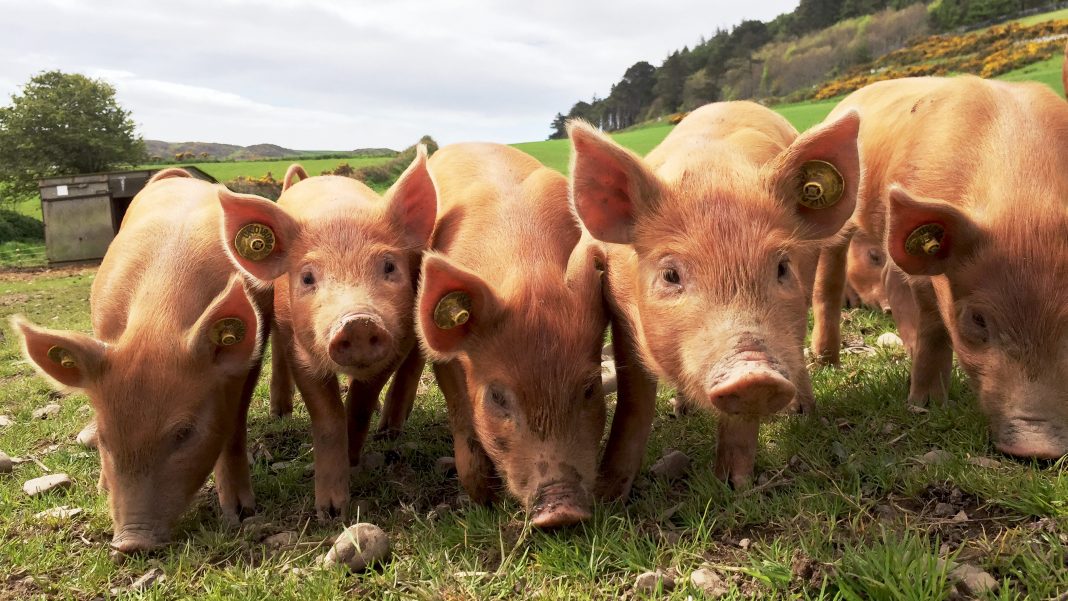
(333, 74)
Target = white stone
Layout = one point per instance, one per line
(709, 583)
(889, 340)
(358, 547)
(47, 411)
(44, 484)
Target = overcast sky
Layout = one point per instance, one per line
(324, 74)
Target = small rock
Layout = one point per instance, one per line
(44, 484)
(372, 461)
(358, 547)
(445, 466)
(709, 583)
(944, 510)
(607, 353)
(839, 451)
(973, 580)
(984, 462)
(61, 513)
(439, 511)
(609, 383)
(916, 409)
(935, 457)
(885, 512)
(280, 466)
(889, 340)
(6, 464)
(282, 539)
(85, 410)
(671, 466)
(956, 496)
(5, 421)
(889, 427)
(47, 411)
(745, 543)
(148, 579)
(649, 582)
(87, 437)
(960, 517)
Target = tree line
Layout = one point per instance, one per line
(730, 64)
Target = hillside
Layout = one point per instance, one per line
(161, 152)
(787, 58)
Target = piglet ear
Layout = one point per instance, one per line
(585, 268)
(257, 233)
(611, 187)
(294, 174)
(925, 237)
(818, 176)
(228, 332)
(413, 201)
(168, 174)
(454, 304)
(68, 359)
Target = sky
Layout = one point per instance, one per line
(334, 75)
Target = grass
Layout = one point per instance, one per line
(841, 510)
(1043, 17)
(225, 172)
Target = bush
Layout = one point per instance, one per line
(19, 228)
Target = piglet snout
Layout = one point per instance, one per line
(558, 505)
(751, 388)
(359, 340)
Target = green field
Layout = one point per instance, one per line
(1043, 17)
(225, 172)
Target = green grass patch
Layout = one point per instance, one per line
(1047, 72)
(841, 508)
(1043, 17)
(225, 172)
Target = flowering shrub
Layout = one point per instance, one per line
(984, 53)
(265, 186)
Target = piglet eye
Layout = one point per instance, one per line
(875, 257)
(389, 267)
(498, 397)
(307, 278)
(783, 269)
(670, 276)
(182, 435)
(589, 391)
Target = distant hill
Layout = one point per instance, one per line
(160, 151)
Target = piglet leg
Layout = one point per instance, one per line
(281, 376)
(330, 437)
(736, 448)
(827, 302)
(360, 404)
(932, 361)
(473, 466)
(401, 395)
(233, 482)
(633, 420)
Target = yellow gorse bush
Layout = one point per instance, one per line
(985, 53)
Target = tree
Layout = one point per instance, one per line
(63, 123)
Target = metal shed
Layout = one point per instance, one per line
(82, 213)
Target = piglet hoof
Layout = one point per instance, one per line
(281, 408)
(388, 433)
(331, 511)
(233, 516)
(801, 406)
(612, 488)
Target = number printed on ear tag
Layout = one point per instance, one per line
(254, 241)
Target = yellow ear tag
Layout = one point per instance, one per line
(821, 185)
(925, 240)
(254, 241)
(454, 309)
(62, 357)
(228, 331)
